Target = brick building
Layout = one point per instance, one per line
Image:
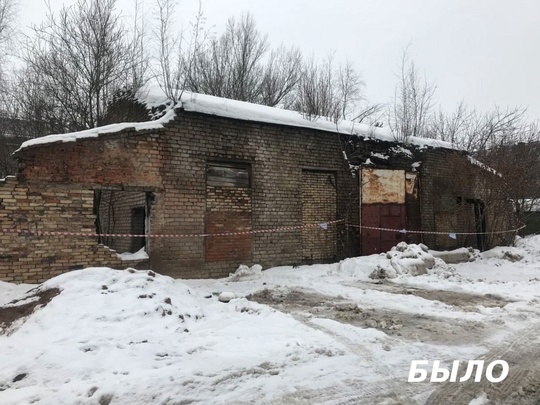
(292, 190)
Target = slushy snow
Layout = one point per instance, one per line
(320, 334)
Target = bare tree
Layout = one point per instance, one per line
(247, 46)
(494, 128)
(453, 127)
(82, 56)
(281, 75)
(239, 65)
(335, 92)
(505, 147)
(8, 125)
(480, 132)
(8, 16)
(176, 53)
(413, 100)
(137, 77)
(316, 93)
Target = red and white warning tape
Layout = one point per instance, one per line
(323, 225)
(434, 232)
(28, 232)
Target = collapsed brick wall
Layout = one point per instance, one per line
(49, 207)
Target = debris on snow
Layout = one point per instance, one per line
(324, 331)
(410, 259)
(400, 150)
(461, 255)
(511, 254)
(381, 272)
(138, 255)
(379, 156)
(246, 273)
(226, 296)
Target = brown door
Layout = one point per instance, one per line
(383, 206)
(390, 216)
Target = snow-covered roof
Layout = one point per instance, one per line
(483, 166)
(254, 112)
(241, 110)
(95, 132)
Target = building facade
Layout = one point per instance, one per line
(213, 189)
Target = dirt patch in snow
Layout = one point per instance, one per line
(12, 312)
(520, 387)
(415, 327)
(465, 302)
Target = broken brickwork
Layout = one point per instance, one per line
(201, 174)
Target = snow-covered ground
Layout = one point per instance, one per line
(322, 334)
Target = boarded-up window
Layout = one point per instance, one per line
(228, 210)
(227, 175)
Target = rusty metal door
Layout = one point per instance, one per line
(383, 206)
(390, 216)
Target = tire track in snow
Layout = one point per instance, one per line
(522, 352)
(389, 390)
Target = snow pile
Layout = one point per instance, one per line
(444, 271)
(138, 255)
(511, 254)
(126, 296)
(461, 255)
(530, 246)
(244, 272)
(226, 296)
(135, 337)
(103, 325)
(402, 259)
(405, 258)
(12, 291)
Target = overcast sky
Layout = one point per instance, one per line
(485, 52)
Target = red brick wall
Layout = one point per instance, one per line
(172, 163)
(228, 209)
(47, 207)
(126, 158)
(319, 204)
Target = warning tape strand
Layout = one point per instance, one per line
(435, 232)
(29, 232)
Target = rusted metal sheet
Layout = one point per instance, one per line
(410, 184)
(380, 186)
(412, 207)
(390, 202)
(389, 216)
